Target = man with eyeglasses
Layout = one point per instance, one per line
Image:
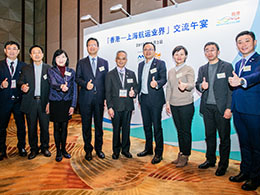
(90, 76)
(215, 106)
(10, 97)
(151, 79)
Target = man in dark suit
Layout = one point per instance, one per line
(90, 76)
(121, 88)
(215, 106)
(151, 79)
(35, 87)
(246, 112)
(10, 97)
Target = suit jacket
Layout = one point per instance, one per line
(221, 87)
(84, 74)
(248, 100)
(28, 76)
(56, 79)
(253, 78)
(155, 94)
(113, 85)
(7, 93)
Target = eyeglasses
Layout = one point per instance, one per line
(149, 49)
(92, 45)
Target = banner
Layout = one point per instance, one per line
(191, 24)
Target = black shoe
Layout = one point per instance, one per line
(46, 152)
(88, 156)
(3, 155)
(32, 155)
(22, 152)
(145, 153)
(58, 156)
(115, 155)
(127, 154)
(206, 165)
(250, 184)
(100, 154)
(239, 178)
(156, 159)
(66, 154)
(220, 171)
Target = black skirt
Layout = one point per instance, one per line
(59, 111)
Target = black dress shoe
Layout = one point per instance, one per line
(220, 171)
(250, 184)
(156, 159)
(58, 156)
(115, 155)
(3, 155)
(66, 154)
(206, 165)
(32, 155)
(88, 156)
(46, 152)
(145, 153)
(22, 152)
(100, 154)
(127, 154)
(239, 178)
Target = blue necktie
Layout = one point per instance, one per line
(93, 66)
(243, 62)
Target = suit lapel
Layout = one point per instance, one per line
(9, 77)
(89, 68)
(153, 65)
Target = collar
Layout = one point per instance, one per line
(8, 61)
(121, 70)
(150, 62)
(90, 59)
(249, 56)
(179, 67)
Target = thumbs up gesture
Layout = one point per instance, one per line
(204, 84)
(25, 88)
(153, 83)
(90, 85)
(182, 86)
(64, 87)
(235, 80)
(131, 92)
(5, 83)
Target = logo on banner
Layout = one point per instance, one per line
(140, 57)
(233, 18)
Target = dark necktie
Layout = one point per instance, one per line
(122, 78)
(12, 67)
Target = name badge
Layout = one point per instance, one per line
(130, 80)
(67, 73)
(179, 75)
(102, 68)
(247, 68)
(13, 84)
(122, 93)
(153, 70)
(221, 75)
(45, 76)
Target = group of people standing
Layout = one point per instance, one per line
(46, 93)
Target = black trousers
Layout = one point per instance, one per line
(182, 117)
(213, 121)
(5, 115)
(37, 114)
(152, 116)
(60, 135)
(121, 122)
(97, 110)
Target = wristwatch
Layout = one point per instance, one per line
(242, 81)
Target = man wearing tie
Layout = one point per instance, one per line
(246, 112)
(90, 76)
(35, 87)
(215, 106)
(10, 97)
(151, 79)
(121, 89)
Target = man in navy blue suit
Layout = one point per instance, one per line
(246, 110)
(10, 97)
(151, 79)
(90, 76)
